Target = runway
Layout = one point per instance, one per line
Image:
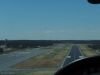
(73, 55)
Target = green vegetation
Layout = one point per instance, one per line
(88, 52)
(94, 46)
(52, 59)
(42, 73)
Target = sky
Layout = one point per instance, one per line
(49, 20)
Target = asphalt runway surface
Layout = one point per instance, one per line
(73, 55)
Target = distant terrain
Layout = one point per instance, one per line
(13, 45)
(42, 57)
(36, 43)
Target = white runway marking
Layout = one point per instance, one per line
(81, 57)
(68, 56)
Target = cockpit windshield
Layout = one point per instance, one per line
(38, 37)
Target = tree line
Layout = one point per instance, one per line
(94, 46)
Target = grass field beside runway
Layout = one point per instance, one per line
(51, 60)
(42, 73)
(86, 51)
